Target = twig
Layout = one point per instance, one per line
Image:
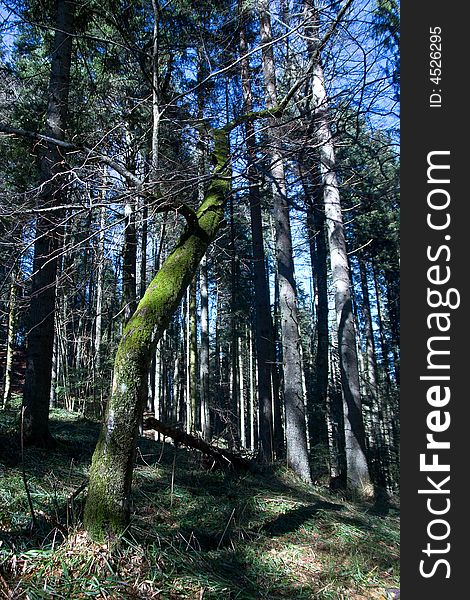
(225, 530)
(78, 491)
(163, 447)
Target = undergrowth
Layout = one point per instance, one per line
(208, 536)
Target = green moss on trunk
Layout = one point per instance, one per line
(107, 508)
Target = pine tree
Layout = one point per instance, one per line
(40, 343)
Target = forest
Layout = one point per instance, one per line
(199, 299)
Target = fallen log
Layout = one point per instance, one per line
(223, 458)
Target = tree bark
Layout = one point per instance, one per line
(241, 383)
(11, 334)
(253, 440)
(377, 417)
(357, 469)
(295, 426)
(192, 356)
(107, 509)
(204, 355)
(99, 291)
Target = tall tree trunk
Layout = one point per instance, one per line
(383, 342)
(371, 361)
(158, 373)
(129, 263)
(390, 402)
(156, 111)
(192, 356)
(264, 337)
(357, 469)
(252, 407)
(318, 260)
(99, 291)
(54, 371)
(40, 339)
(157, 370)
(234, 422)
(204, 354)
(241, 383)
(11, 335)
(181, 372)
(295, 426)
(336, 418)
(371, 369)
(143, 247)
(218, 363)
(107, 508)
(277, 370)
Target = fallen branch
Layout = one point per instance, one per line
(224, 458)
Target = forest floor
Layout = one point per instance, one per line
(196, 534)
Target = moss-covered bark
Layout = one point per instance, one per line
(107, 508)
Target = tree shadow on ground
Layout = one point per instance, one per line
(212, 519)
(295, 518)
(76, 439)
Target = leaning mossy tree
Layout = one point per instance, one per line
(107, 508)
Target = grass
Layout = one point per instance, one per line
(211, 536)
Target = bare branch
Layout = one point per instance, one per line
(74, 147)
